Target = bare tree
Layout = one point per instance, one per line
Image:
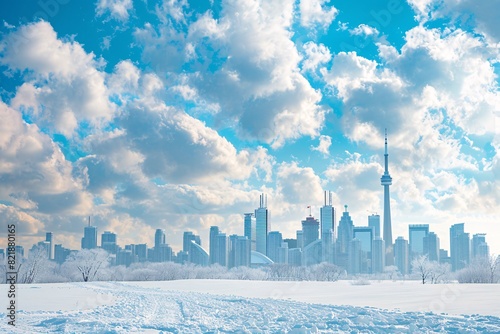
(30, 268)
(439, 272)
(481, 270)
(88, 262)
(422, 267)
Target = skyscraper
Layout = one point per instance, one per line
(386, 181)
(374, 221)
(273, 245)
(108, 242)
(197, 255)
(479, 247)
(249, 229)
(214, 232)
(378, 255)
(327, 215)
(262, 225)
(345, 231)
(89, 240)
(431, 246)
(221, 249)
(239, 253)
(401, 255)
(162, 252)
(417, 233)
(48, 238)
(310, 230)
(459, 247)
(365, 235)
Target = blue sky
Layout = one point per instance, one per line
(176, 114)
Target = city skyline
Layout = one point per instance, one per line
(177, 115)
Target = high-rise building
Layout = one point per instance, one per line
(160, 238)
(417, 233)
(374, 221)
(162, 251)
(197, 255)
(124, 257)
(327, 215)
(312, 253)
(108, 242)
(274, 240)
(141, 250)
(249, 229)
(295, 256)
(186, 240)
(310, 230)
(292, 243)
(300, 239)
(214, 232)
(401, 255)
(48, 238)
(328, 247)
(262, 225)
(431, 246)
(221, 257)
(386, 181)
(89, 240)
(239, 251)
(60, 253)
(365, 236)
(479, 247)
(283, 253)
(378, 255)
(459, 247)
(354, 256)
(345, 232)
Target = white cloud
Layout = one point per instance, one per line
(316, 55)
(364, 30)
(118, 9)
(258, 86)
(483, 15)
(317, 13)
(324, 145)
(298, 185)
(55, 70)
(34, 173)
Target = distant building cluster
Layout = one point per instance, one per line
(358, 249)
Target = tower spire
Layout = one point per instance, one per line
(386, 181)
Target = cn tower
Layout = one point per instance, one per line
(386, 181)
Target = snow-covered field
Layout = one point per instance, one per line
(218, 306)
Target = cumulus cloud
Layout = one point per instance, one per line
(299, 185)
(317, 13)
(255, 85)
(33, 170)
(364, 30)
(315, 56)
(117, 9)
(63, 86)
(483, 16)
(324, 145)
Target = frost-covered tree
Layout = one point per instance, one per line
(422, 267)
(31, 268)
(391, 272)
(87, 263)
(326, 272)
(481, 270)
(439, 272)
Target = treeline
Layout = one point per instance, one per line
(94, 265)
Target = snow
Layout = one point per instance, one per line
(220, 306)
